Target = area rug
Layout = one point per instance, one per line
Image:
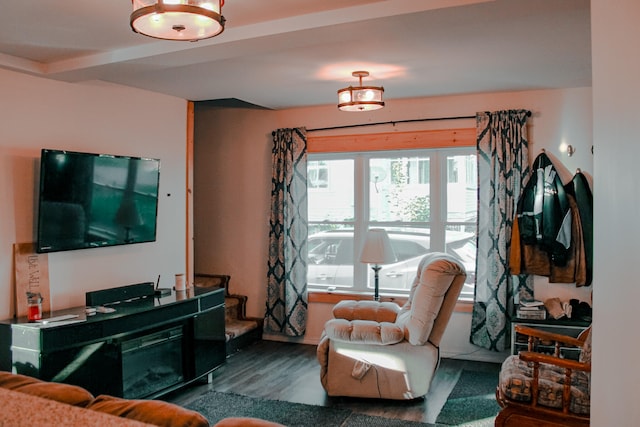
(473, 399)
(471, 404)
(215, 406)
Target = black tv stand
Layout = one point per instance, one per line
(147, 347)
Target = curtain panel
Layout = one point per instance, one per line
(503, 167)
(286, 305)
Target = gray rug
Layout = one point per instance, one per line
(215, 406)
(472, 398)
(468, 405)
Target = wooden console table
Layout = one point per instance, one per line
(146, 348)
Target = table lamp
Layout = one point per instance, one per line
(377, 250)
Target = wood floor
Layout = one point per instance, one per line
(290, 372)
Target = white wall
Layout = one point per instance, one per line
(94, 117)
(616, 67)
(233, 172)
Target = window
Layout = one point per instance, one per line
(424, 198)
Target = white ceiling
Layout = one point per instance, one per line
(289, 53)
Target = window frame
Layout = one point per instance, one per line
(329, 147)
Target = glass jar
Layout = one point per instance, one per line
(34, 306)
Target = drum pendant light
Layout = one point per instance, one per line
(184, 20)
(360, 98)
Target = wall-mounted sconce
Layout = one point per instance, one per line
(570, 150)
(567, 148)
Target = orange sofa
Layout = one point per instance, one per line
(28, 401)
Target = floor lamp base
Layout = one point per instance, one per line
(376, 290)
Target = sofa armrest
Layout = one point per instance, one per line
(246, 422)
(366, 310)
(363, 331)
(154, 412)
(65, 393)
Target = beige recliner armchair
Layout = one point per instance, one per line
(381, 350)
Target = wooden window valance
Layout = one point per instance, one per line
(441, 138)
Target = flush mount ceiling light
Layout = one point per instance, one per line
(187, 20)
(360, 98)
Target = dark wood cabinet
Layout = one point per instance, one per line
(147, 347)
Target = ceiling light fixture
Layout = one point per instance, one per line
(185, 20)
(360, 98)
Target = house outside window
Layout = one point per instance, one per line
(424, 198)
(318, 175)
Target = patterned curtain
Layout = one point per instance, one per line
(286, 311)
(503, 168)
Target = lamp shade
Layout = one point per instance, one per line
(187, 20)
(377, 248)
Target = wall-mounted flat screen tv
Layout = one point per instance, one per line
(91, 200)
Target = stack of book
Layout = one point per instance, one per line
(532, 310)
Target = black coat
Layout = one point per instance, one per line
(544, 215)
(579, 188)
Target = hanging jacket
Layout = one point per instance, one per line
(575, 269)
(526, 259)
(531, 259)
(544, 215)
(580, 189)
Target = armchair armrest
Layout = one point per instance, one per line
(530, 356)
(363, 331)
(366, 310)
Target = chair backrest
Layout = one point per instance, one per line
(212, 281)
(433, 297)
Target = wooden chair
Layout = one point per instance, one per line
(240, 329)
(537, 389)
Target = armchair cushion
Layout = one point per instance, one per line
(427, 294)
(516, 379)
(363, 331)
(366, 310)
